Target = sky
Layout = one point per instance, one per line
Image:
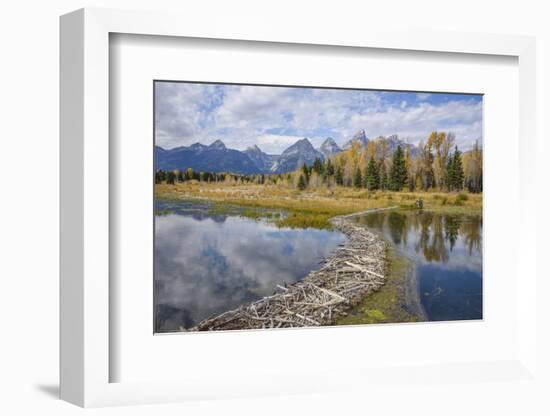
(274, 118)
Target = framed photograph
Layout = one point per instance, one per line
(297, 235)
(243, 215)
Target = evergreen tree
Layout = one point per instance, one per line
(339, 176)
(383, 176)
(455, 172)
(306, 173)
(398, 172)
(450, 176)
(410, 169)
(459, 171)
(329, 168)
(372, 176)
(160, 176)
(170, 177)
(302, 182)
(357, 178)
(318, 166)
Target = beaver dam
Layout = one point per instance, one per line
(324, 296)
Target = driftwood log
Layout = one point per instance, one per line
(324, 296)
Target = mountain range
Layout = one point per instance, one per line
(213, 158)
(216, 157)
(360, 137)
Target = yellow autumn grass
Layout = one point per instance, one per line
(314, 207)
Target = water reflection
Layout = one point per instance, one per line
(447, 251)
(206, 265)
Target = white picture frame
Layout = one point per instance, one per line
(85, 213)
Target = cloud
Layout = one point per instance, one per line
(272, 117)
(270, 143)
(273, 143)
(423, 96)
(182, 111)
(464, 118)
(251, 105)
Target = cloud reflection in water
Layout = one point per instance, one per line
(204, 267)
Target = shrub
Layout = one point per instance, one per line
(460, 199)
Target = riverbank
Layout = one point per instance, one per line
(324, 296)
(314, 208)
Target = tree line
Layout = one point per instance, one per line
(172, 176)
(437, 164)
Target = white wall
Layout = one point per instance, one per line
(29, 210)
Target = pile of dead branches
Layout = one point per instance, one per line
(324, 296)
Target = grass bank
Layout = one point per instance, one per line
(313, 208)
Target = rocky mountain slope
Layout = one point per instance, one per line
(216, 157)
(360, 137)
(262, 160)
(295, 156)
(329, 147)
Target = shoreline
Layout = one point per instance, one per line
(401, 266)
(315, 208)
(324, 296)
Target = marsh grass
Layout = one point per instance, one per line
(460, 200)
(224, 208)
(302, 220)
(311, 208)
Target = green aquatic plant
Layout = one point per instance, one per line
(305, 220)
(387, 304)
